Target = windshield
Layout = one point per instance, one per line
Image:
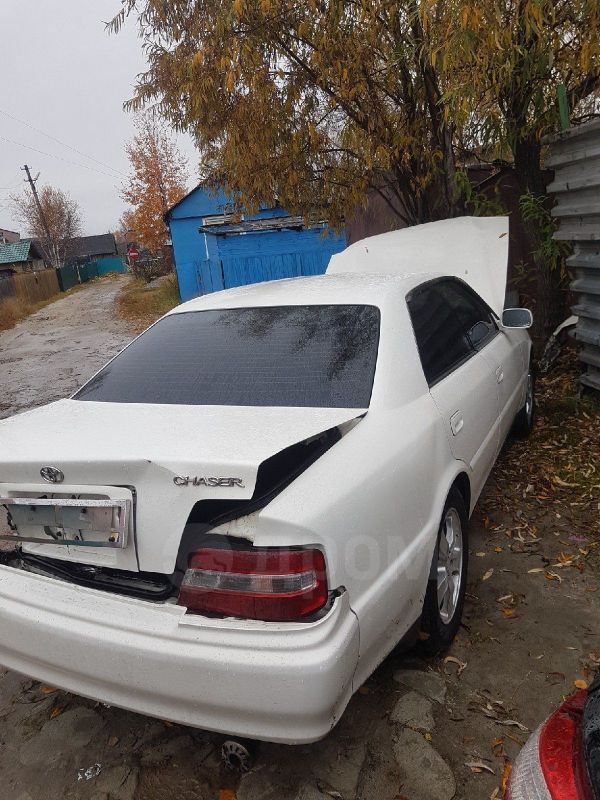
(310, 356)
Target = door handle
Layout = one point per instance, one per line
(500, 374)
(456, 422)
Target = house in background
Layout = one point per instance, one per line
(24, 255)
(91, 248)
(8, 237)
(214, 249)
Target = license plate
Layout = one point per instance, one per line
(77, 522)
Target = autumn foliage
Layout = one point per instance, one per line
(320, 103)
(157, 181)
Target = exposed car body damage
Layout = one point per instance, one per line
(307, 442)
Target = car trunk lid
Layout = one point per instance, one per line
(164, 458)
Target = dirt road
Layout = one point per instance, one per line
(52, 352)
(530, 625)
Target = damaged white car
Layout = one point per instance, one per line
(235, 520)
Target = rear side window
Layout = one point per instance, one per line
(477, 319)
(439, 331)
(450, 323)
(310, 356)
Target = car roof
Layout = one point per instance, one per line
(336, 289)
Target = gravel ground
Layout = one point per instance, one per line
(416, 731)
(52, 352)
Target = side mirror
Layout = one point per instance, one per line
(517, 318)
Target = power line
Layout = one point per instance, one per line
(59, 141)
(60, 158)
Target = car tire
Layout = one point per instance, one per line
(524, 421)
(442, 609)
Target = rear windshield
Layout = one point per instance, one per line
(311, 356)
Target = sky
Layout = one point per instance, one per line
(64, 75)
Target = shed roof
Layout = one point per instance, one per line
(16, 252)
(83, 246)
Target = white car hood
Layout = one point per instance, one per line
(146, 447)
(472, 248)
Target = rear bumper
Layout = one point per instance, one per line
(283, 682)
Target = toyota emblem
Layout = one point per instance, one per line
(52, 475)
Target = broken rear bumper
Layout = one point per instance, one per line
(283, 682)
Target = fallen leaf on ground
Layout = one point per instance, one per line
(462, 665)
(488, 574)
(48, 690)
(56, 712)
(479, 766)
(535, 569)
(580, 684)
(113, 741)
(552, 576)
(513, 723)
(226, 794)
(506, 774)
(564, 484)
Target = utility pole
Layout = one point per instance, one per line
(40, 211)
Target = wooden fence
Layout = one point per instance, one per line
(29, 287)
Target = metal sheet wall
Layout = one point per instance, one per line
(575, 159)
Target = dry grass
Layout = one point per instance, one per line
(142, 303)
(14, 309)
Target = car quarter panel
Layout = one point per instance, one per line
(374, 500)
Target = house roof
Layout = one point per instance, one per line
(17, 252)
(167, 214)
(258, 226)
(83, 246)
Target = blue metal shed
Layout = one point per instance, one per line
(214, 250)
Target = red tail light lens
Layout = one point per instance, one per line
(272, 584)
(551, 766)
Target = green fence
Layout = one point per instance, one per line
(81, 273)
(106, 265)
(67, 278)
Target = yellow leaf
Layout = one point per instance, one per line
(580, 684)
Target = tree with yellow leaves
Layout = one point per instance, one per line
(157, 182)
(321, 102)
(313, 104)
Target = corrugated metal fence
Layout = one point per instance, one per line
(575, 159)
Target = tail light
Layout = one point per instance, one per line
(272, 584)
(551, 764)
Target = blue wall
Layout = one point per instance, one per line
(207, 263)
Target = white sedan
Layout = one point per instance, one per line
(235, 520)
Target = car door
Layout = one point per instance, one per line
(462, 382)
(500, 348)
(506, 355)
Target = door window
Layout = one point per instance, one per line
(450, 323)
